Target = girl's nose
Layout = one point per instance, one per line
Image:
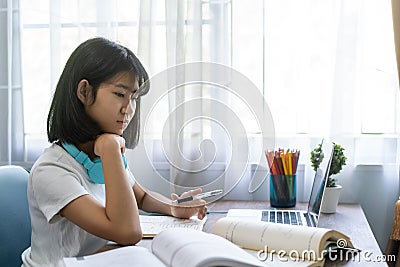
(129, 107)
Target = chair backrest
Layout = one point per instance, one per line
(15, 224)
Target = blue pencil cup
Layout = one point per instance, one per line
(282, 190)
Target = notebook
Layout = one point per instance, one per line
(307, 217)
(153, 225)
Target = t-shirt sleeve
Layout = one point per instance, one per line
(131, 177)
(54, 187)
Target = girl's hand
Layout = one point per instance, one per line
(188, 209)
(108, 141)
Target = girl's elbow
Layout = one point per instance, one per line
(130, 237)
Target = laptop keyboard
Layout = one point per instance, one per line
(285, 217)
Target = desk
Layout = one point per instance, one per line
(349, 219)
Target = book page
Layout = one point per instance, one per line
(182, 247)
(272, 259)
(275, 237)
(120, 257)
(152, 225)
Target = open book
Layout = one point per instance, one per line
(179, 247)
(152, 225)
(281, 244)
(233, 243)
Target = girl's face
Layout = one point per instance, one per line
(115, 103)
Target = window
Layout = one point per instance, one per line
(323, 67)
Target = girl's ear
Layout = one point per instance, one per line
(84, 92)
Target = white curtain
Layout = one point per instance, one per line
(11, 110)
(185, 137)
(309, 60)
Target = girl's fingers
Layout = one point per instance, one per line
(192, 192)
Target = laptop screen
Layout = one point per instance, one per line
(320, 179)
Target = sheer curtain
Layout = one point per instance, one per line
(191, 137)
(326, 69)
(50, 31)
(316, 64)
(11, 109)
(178, 130)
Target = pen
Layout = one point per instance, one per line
(208, 212)
(199, 196)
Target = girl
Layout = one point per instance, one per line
(81, 193)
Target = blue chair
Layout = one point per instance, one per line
(15, 224)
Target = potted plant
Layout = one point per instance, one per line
(332, 192)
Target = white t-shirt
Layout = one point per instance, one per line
(55, 180)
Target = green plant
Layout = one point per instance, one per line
(338, 161)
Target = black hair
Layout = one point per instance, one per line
(96, 60)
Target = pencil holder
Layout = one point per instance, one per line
(282, 190)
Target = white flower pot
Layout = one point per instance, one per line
(331, 199)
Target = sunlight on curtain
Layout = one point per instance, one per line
(194, 31)
(330, 71)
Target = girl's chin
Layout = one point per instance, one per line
(116, 132)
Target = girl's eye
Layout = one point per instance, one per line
(119, 94)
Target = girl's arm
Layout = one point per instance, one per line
(154, 202)
(119, 219)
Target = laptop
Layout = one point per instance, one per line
(307, 217)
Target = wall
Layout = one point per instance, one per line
(376, 188)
